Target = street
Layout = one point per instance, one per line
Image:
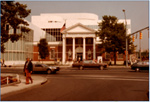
(71, 84)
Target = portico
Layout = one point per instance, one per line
(78, 42)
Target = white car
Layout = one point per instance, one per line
(38, 67)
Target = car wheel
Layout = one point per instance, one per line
(49, 71)
(137, 69)
(101, 67)
(81, 67)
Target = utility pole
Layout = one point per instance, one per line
(126, 40)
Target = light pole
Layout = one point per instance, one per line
(126, 39)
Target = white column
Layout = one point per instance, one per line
(64, 51)
(73, 48)
(94, 48)
(84, 48)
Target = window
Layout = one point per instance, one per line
(107, 55)
(89, 54)
(79, 41)
(38, 65)
(120, 56)
(69, 41)
(69, 54)
(52, 56)
(53, 35)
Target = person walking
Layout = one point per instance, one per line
(28, 68)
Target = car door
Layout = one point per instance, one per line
(86, 64)
(146, 65)
(139, 65)
(38, 67)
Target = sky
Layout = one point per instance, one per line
(137, 11)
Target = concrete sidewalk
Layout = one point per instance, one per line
(121, 66)
(37, 80)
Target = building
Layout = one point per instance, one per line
(71, 36)
(17, 52)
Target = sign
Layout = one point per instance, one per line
(99, 59)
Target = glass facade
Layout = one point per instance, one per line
(18, 51)
(53, 35)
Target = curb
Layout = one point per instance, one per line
(44, 82)
(17, 83)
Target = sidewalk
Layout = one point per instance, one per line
(120, 66)
(37, 80)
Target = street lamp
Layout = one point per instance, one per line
(126, 39)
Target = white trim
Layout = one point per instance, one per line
(54, 43)
(84, 48)
(98, 42)
(52, 47)
(35, 43)
(94, 48)
(80, 25)
(79, 35)
(49, 43)
(64, 50)
(73, 48)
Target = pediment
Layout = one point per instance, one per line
(78, 28)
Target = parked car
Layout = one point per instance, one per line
(141, 65)
(38, 67)
(89, 64)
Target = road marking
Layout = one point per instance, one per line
(102, 77)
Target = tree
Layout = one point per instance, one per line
(43, 48)
(113, 35)
(12, 14)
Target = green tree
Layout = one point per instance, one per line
(12, 14)
(112, 35)
(43, 48)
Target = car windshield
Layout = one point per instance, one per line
(143, 63)
(88, 61)
(146, 62)
(139, 62)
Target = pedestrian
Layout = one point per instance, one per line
(2, 62)
(28, 68)
(79, 59)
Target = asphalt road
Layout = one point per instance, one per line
(88, 85)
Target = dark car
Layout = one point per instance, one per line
(38, 67)
(89, 64)
(141, 65)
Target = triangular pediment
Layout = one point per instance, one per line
(78, 28)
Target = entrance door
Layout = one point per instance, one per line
(79, 55)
